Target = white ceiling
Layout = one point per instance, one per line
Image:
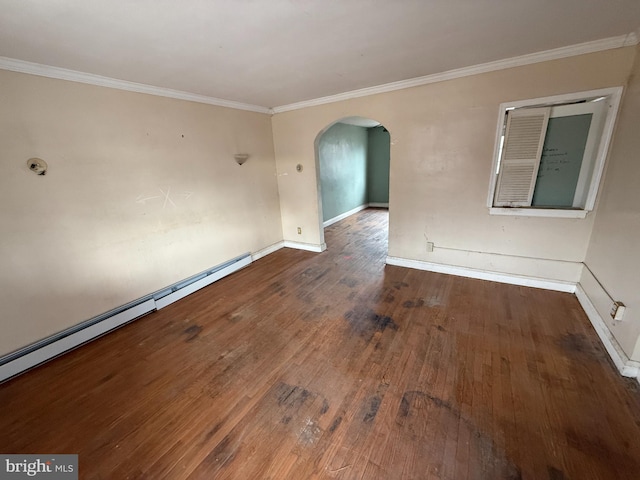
(277, 52)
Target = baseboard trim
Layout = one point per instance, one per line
(56, 348)
(55, 345)
(344, 215)
(310, 247)
(626, 367)
(521, 280)
(267, 250)
(203, 282)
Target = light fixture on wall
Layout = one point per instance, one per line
(37, 165)
(241, 158)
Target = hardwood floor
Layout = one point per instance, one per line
(336, 366)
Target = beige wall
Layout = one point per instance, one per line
(614, 250)
(98, 231)
(442, 138)
(82, 239)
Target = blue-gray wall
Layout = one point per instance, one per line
(354, 168)
(342, 153)
(378, 165)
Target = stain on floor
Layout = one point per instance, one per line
(192, 332)
(366, 322)
(417, 407)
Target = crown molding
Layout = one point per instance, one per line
(22, 66)
(633, 38)
(555, 54)
(74, 76)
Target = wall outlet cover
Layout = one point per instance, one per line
(617, 310)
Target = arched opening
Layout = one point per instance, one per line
(352, 165)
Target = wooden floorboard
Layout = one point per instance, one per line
(335, 366)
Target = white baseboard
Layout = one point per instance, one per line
(54, 346)
(524, 281)
(626, 367)
(310, 247)
(344, 215)
(58, 347)
(203, 282)
(267, 250)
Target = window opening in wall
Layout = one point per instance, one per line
(550, 153)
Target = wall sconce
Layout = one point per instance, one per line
(241, 158)
(37, 165)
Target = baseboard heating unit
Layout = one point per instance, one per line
(46, 349)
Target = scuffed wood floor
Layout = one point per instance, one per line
(336, 366)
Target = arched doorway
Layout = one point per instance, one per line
(352, 165)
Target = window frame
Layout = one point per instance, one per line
(614, 95)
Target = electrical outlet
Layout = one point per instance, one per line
(299, 231)
(617, 310)
(429, 246)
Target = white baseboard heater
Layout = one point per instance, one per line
(48, 348)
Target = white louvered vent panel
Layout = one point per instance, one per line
(524, 138)
(516, 181)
